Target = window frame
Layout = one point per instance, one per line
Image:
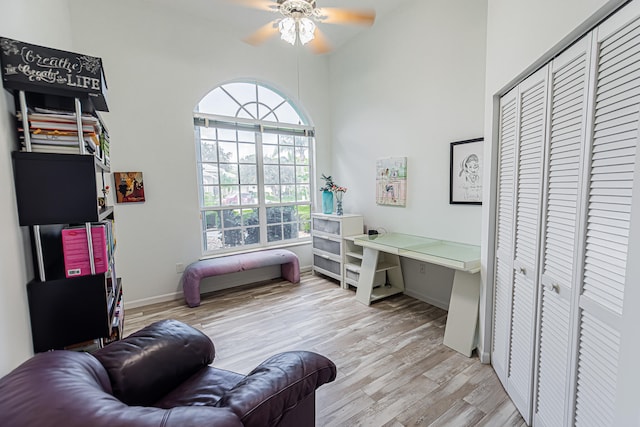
(259, 128)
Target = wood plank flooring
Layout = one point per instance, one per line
(393, 369)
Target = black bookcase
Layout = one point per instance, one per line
(56, 190)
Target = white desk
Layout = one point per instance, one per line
(462, 320)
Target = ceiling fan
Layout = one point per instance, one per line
(297, 21)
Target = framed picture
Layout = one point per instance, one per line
(465, 181)
(129, 187)
(391, 181)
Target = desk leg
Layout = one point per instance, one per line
(462, 320)
(367, 275)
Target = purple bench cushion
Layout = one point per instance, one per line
(195, 272)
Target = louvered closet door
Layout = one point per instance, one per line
(504, 231)
(612, 162)
(532, 99)
(567, 138)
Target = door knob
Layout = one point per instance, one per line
(554, 287)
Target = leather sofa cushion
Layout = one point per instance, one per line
(153, 361)
(204, 388)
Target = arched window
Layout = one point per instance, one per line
(254, 151)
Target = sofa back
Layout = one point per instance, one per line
(150, 363)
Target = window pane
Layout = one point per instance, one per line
(252, 236)
(213, 240)
(302, 155)
(290, 231)
(304, 229)
(250, 217)
(274, 233)
(218, 102)
(226, 134)
(304, 212)
(286, 139)
(228, 173)
(249, 195)
(247, 153)
(232, 238)
(302, 174)
(209, 174)
(228, 152)
(302, 141)
(286, 114)
(265, 113)
(210, 196)
(287, 175)
(248, 174)
(209, 151)
(270, 154)
(288, 193)
(242, 92)
(231, 218)
(286, 155)
(271, 174)
(274, 215)
(230, 197)
(272, 193)
(303, 193)
(269, 138)
(269, 97)
(289, 214)
(211, 220)
(207, 133)
(245, 136)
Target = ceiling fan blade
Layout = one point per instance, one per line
(267, 5)
(263, 33)
(319, 44)
(332, 15)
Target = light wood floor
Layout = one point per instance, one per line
(393, 369)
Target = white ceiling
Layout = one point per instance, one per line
(245, 20)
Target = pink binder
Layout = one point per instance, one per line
(76, 251)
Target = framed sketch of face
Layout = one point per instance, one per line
(465, 180)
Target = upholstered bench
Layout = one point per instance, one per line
(196, 271)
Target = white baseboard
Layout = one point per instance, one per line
(152, 300)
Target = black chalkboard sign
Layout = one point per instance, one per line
(41, 69)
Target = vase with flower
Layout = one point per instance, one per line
(339, 191)
(328, 191)
(327, 194)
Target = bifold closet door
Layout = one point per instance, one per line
(561, 213)
(503, 282)
(516, 267)
(612, 160)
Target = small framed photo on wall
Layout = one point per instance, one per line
(465, 180)
(129, 187)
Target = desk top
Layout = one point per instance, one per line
(458, 256)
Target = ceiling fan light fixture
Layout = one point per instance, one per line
(287, 27)
(306, 30)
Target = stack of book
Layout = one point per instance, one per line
(55, 131)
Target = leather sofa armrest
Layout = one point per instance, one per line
(150, 363)
(71, 389)
(277, 386)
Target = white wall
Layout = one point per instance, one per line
(408, 87)
(521, 36)
(44, 22)
(158, 63)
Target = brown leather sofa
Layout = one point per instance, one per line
(160, 376)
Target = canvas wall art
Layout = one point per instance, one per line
(391, 181)
(129, 187)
